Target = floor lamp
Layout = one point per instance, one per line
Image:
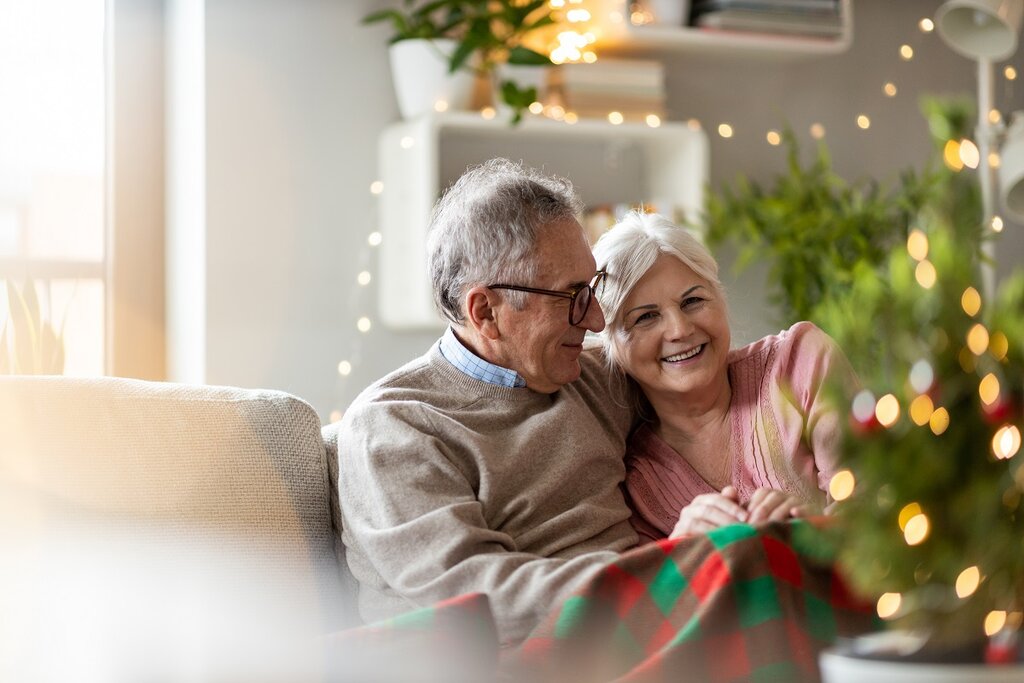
(987, 31)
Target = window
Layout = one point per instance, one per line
(53, 142)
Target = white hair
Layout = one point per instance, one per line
(485, 228)
(628, 250)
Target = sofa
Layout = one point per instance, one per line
(159, 531)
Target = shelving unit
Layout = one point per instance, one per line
(666, 167)
(622, 36)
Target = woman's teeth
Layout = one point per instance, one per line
(683, 356)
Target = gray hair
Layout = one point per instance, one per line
(628, 250)
(485, 228)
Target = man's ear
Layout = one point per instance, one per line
(481, 304)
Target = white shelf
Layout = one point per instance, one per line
(625, 37)
(666, 167)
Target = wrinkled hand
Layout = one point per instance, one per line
(770, 505)
(710, 511)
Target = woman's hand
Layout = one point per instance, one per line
(770, 505)
(710, 511)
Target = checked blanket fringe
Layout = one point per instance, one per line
(740, 603)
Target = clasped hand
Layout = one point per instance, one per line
(712, 510)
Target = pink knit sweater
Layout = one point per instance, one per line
(785, 436)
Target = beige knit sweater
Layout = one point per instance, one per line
(449, 485)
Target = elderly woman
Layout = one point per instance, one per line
(743, 435)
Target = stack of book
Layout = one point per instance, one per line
(793, 17)
(634, 88)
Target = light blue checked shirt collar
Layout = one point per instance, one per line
(464, 360)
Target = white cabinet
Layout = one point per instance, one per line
(622, 35)
(665, 167)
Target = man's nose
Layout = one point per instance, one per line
(594, 318)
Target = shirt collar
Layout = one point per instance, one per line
(467, 362)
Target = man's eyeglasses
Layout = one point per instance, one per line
(579, 297)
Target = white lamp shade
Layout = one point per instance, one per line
(981, 29)
(1011, 168)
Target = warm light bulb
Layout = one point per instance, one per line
(773, 138)
(988, 389)
(994, 116)
(971, 301)
(488, 113)
(939, 421)
(917, 245)
(906, 52)
(653, 120)
(725, 130)
(863, 407)
(589, 56)
(916, 530)
(364, 278)
(967, 582)
(994, 622)
(863, 122)
(888, 605)
(997, 224)
(570, 117)
(1006, 442)
(921, 376)
(921, 409)
(344, 368)
(998, 345)
(925, 274)
(817, 131)
(887, 410)
(970, 156)
(615, 117)
(908, 511)
(1010, 73)
(364, 324)
(374, 239)
(840, 487)
(977, 339)
(889, 89)
(536, 108)
(376, 187)
(440, 106)
(951, 155)
(926, 25)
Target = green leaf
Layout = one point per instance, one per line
(524, 56)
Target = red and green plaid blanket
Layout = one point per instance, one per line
(741, 603)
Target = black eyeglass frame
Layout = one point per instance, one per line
(570, 294)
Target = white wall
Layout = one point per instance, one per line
(297, 92)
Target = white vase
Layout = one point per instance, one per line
(419, 70)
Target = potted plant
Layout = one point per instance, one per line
(29, 344)
(467, 38)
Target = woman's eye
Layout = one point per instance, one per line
(691, 301)
(644, 317)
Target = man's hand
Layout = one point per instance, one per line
(770, 505)
(710, 511)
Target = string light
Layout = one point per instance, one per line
(1010, 73)
(993, 159)
(773, 137)
(364, 324)
(488, 113)
(344, 368)
(917, 245)
(407, 142)
(725, 130)
(906, 52)
(863, 407)
(967, 582)
(997, 223)
(817, 131)
(988, 389)
(921, 409)
(440, 106)
(971, 301)
(887, 410)
(939, 421)
(966, 359)
(364, 278)
(994, 622)
(536, 108)
(926, 25)
(969, 154)
(653, 120)
(840, 487)
(916, 530)
(615, 118)
(908, 511)
(1006, 442)
(998, 345)
(921, 376)
(977, 339)
(376, 187)
(889, 89)
(570, 117)
(994, 116)
(863, 122)
(951, 155)
(888, 605)
(925, 274)
(374, 239)
(693, 124)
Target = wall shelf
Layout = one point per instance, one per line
(666, 167)
(624, 37)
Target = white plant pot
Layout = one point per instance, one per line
(841, 667)
(419, 70)
(669, 12)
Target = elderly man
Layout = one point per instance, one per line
(492, 463)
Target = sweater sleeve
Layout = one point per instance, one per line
(819, 374)
(412, 517)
